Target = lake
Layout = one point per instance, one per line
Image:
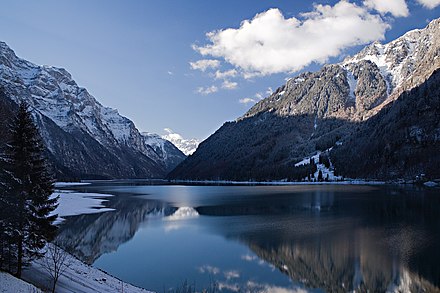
(300, 238)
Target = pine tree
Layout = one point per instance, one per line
(320, 175)
(27, 189)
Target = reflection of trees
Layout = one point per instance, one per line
(338, 262)
(90, 236)
(375, 243)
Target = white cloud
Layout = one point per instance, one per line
(225, 74)
(247, 101)
(258, 97)
(204, 64)
(229, 85)
(431, 4)
(207, 90)
(397, 8)
(270, 43)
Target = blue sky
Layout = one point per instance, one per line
(135, 55)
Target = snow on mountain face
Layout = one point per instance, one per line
(54, 94)
(361, 85)
(187, 146)
(166, 150)
(399, 60)
(313, 111)
(57, 96)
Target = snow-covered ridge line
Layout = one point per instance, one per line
(187, 146)
(397, 59)
(53, 93)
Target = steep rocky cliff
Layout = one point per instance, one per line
(84, 139)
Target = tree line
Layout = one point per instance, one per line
(26, 186)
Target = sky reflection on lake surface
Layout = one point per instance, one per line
(264, 238)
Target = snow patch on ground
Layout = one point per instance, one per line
(430, 184)
(79, 277)
(321, 167)
(75, 203)
(352, 82)
(11, 284)
(67, 184)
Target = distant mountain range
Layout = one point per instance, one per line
(187, 146)
(83, 138)
(375, 115)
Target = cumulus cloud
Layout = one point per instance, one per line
(256, 98)
(269, 43)
(204, 64)
(397, 8)
(207, 90)
(247, 101)
(225, 74)
(431, 4)
(229, 85)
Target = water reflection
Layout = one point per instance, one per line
(321, 237)
(90, 236)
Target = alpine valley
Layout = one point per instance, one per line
(83, 138)
(376, 115)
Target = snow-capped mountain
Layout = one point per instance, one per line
(58, 102)
(165, 149)
(361, 85)
(314, 110)
(187, 146)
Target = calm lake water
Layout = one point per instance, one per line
(304, 238)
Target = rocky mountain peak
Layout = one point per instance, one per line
(54, 95)
(386, 94)
(362, 84)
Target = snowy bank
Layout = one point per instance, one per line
(66, 184)
(78, 277)
(75, 203)
(11, 284)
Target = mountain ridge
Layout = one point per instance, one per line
(95, 131)
(314, 110)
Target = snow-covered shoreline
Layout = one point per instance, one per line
(72, 203)
(11, 284)
(67, 184)
(78, 277)
(226, 182)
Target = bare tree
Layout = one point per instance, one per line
(55, 262)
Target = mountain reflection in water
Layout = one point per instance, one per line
(333, 238)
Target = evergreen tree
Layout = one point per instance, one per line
(320, 175)
(26, 189)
